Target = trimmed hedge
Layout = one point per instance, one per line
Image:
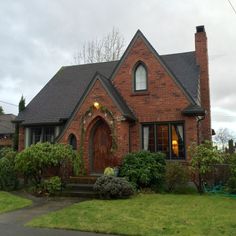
(110, 187)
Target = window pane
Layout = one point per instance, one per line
(36, 135)
(177, 142)
(148, 138)
(140, 78)
(49, 134)
(163, 139)
(73, 141)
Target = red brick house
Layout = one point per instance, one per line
(143, 101)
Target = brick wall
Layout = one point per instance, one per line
(163, 101)
(202, 61)
(21, 145)
(98, 94)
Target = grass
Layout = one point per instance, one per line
(9, 202)
(148, 214)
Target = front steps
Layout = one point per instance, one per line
(80, 186)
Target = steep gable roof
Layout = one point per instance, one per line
(57, 100)
(186, 70)
(60, 96)
(139, 34)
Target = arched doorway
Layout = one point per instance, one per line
(100, 147)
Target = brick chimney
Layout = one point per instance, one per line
(202, 61)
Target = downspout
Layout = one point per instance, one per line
(199, 119)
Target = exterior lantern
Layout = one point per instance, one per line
(96, 105)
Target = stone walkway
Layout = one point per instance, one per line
(12, 223)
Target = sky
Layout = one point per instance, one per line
(38, 37)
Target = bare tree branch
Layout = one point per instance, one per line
(223, 135)
(109, 48)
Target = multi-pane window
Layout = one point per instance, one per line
(140, 78)
(167, 138)
(42, 134)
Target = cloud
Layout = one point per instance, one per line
(38, 37)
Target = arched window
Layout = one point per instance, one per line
(73, 141)
(140, 78)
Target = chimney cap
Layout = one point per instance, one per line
(200, 28)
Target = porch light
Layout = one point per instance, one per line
(96, 105)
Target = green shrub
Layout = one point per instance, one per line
(203, 159)
(8, 177)
(36, 159)
(109, 171)
(231, 183)
(176, 176)
(144, 169)
(53, 185)
(110, 187)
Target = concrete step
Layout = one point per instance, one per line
(82, 179)
(79, 194)
(79, 187)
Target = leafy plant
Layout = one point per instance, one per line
(36, 159)
(203, 159)
(8, 177)
(144, 169)
(231, 183)
(53, 185)
(113, 187)
(176, 176)
(109, 171)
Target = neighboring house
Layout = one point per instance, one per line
(143, 101)
(7, 130)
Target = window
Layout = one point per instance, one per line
(167, 138)
(73, 141)
(42, 134)
(140, 78)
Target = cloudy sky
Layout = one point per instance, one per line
(38, 37)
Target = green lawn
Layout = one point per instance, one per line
(9, 202)
(150, 214)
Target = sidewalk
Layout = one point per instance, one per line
(12, 223)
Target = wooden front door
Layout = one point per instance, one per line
(101, 146)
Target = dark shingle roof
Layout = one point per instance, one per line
(6, 125)
(61, 94)
(194, 110)
(117, 98)
(58, 99)
(184, 67)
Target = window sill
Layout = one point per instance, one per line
(140, 93)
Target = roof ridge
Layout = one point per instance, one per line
(177, 53)
(87, 64)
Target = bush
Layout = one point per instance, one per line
(203, 159)
(144, 169)
(176, 176)
(231, 183)
(8, 177)
(53, 185)
(110, 187)
(36, 159)
(109, 171)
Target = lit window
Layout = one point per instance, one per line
(167, 138)
(140, 78)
